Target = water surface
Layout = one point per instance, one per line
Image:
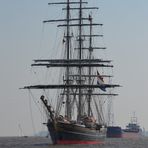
(38, 142)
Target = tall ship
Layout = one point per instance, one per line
(133, 129)
(80, 82)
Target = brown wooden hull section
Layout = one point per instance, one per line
(65, 133)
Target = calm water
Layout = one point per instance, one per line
(36, 142)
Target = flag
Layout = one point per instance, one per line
(100, 82)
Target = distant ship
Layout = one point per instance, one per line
(76, 115)
(114, 132)
(133, 129)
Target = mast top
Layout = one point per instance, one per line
(63, 3)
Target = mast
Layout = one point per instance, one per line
(80, 57)
(89, 69)
(68, 107)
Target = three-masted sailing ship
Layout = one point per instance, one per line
(78, 115)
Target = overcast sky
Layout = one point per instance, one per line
(126, 36)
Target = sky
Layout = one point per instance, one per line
(21, 34)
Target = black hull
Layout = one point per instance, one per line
(114, 132)
(65, 133)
